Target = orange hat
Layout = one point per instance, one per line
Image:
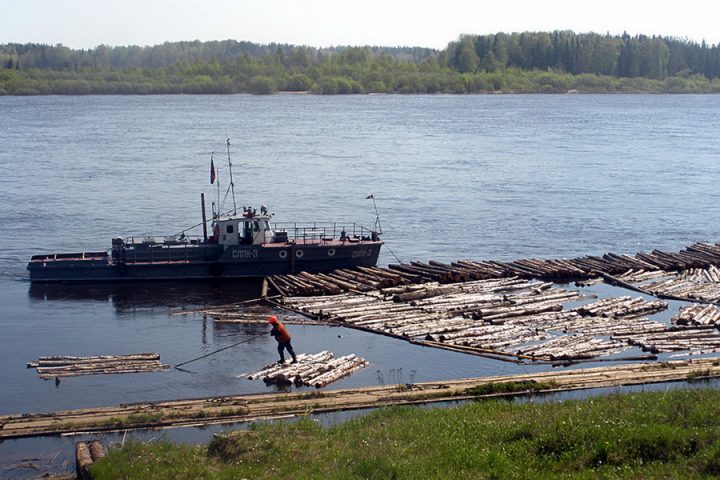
(272, 319)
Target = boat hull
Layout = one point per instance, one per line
(234, 262)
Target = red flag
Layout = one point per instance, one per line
(212, 171)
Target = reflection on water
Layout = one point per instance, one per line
(148, 295)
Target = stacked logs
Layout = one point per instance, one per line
(69, 366)
(696, 340)
(364, 279)
(315, 370)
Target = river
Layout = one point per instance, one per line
(479, 177)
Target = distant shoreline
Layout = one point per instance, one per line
(558, 62)
(373, 94)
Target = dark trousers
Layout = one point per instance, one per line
(285, 345)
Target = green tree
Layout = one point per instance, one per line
(467, 60)
(261, 85)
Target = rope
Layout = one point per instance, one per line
(220, 349)
(393, 253)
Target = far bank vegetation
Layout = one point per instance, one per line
(529, 62)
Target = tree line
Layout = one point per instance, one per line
(617, 56)
(555, 62)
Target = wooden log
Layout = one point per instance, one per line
(344, 366)
(83, 460)
(408, 276)
(96, 450)
(379, 272)
(421, 294)
(103, 371)
(341, 283)
(274, 285)
(320, 282)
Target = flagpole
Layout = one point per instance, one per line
(377, 215)
(232, 184)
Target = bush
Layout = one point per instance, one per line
(261, 85)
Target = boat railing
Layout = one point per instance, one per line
(157, 249)
(324, 232)
(163, 240)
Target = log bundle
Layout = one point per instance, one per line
(694, 284)
(702, 256)
(695, 340)
(70, 366)
(316, 370)
(575, 347)
(508, 316)
(360, 279)
(626, 307)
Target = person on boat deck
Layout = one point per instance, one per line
(283, 338)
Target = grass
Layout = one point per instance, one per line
(510, 387)
(675, 434)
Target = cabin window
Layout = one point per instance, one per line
(229, 229)
(257, 226)
(264, 225)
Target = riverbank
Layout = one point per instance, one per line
(509, 81)
(669, 435)
(249, 408)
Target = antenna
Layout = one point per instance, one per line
(232, 185)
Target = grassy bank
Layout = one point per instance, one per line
(651, 435)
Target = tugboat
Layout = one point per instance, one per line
(242, 245)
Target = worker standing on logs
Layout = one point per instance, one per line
(283, 338)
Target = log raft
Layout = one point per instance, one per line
(317, 370)
(498, 317)
(700, 256)
(230, 409)
(71, 366)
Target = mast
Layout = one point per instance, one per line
(232, 185)
(204, 217)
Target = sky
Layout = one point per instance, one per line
(323, 23)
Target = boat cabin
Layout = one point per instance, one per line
(249, 229)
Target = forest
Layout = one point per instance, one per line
(528, 62)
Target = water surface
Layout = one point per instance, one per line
(498, 177)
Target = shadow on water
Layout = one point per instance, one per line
(132, 296)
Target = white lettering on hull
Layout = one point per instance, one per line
(243, 253)
(362, 252)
